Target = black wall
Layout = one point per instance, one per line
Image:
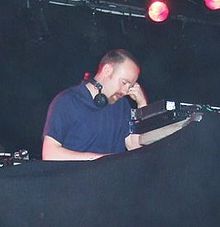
(41, 54)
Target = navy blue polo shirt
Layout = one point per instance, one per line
(75, 122)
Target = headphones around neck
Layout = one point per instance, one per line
(100, 99)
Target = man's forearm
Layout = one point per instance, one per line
(132, 142)
(52, 150)
(65, 154)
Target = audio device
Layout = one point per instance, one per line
(100, 99)
(163, 118)
(17, 158)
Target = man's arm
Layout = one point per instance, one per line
(53, 150)
(132, 142)
(137, 94)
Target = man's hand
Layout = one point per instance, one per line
(137, 94)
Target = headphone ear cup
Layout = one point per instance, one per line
(100, 100)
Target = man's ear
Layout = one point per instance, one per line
(108, 69)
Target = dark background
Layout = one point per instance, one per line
(45, 48)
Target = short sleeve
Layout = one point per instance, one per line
(57, 118)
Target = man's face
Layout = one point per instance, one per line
(121, 80)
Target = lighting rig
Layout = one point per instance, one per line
(155, 10)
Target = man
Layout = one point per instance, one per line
(77, 129)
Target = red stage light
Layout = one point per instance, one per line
(158, 11)
(212, 4)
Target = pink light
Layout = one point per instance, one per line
(158, 11)
(212, 4)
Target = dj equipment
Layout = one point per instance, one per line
(163, 118)
(100, 99)
(18, 157)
